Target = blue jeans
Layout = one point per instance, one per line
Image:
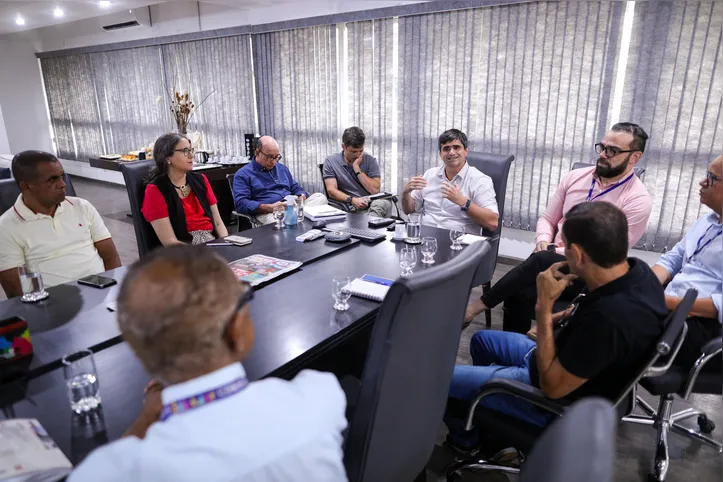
(495, 354)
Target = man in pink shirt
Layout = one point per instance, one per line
(612, 180)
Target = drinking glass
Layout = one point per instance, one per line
(81, 380)
(455, 235)
(299, 210)
(429, 248)
(414, 228)
(407, 260)
(340, 292)
(32, 286)
(279, 215)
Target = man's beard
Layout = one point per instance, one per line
(607, 172)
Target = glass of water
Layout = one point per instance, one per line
(407, 260)
(32, 286)
(299, 210)
(455, 235)
(429, 248)
(340, 292)
(279, 215)
(81, 379)
(414, 228)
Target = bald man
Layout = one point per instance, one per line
(695, 262)
(202, 419)
(263, 184)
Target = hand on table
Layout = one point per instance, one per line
(453, 193)
(415, 183)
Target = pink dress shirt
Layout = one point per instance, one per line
(632, 198)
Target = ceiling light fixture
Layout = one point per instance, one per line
(104, 3)
(19, 20)
(58, 12)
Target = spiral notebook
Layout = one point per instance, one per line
(370, 287)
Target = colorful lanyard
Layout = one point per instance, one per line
(195, 401)
(592, 186)
(698, 247)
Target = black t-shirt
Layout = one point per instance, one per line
(612, 332)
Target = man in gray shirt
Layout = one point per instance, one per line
(352, 175)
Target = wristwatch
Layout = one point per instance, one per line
(466, 205)
(348, 200)
(357, 173)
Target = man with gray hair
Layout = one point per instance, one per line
(188, 320)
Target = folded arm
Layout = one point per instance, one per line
(108, 253)
(10, 281)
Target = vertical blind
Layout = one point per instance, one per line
(672, 91)
(296, 79)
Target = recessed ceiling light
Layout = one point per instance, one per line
(104, 3)
(19, 20)
(58, 12)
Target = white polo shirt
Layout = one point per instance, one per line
(443, 213)
(273, 430)
(60, 247)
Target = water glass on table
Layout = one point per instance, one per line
(407, 260)
(32, 286)
(429, 249)
(279, 215)
(455, 235)
(299, 210)
(340, 292)
(81, 379)
(414, 228)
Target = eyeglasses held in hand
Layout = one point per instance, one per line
(188, 152)
(610, 151)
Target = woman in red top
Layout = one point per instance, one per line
(179, 203)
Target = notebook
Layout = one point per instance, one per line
(29, 454)
(370, 287)
(326, 212)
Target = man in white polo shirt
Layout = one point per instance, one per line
(63, 238)
(455, 194)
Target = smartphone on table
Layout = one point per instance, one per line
(97, 281)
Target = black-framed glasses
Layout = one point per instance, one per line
(188, 152)
(710, 178)
(277, 157)
(611, 151)
(243, 300)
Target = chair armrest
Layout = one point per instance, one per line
(519, 390)
(339, 205)
(713, 347)
(708, 352)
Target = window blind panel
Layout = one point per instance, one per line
(671, 90)
(220, 69)
(296, 79)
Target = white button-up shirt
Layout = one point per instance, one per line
(443, 213)
(61, 247)
(273, 430)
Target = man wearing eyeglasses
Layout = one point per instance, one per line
(612, 180)
(262, 185)
(696, 262)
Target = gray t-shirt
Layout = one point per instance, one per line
(336, 167)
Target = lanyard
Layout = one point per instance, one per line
(698, 247)
(201, 399)
(592, 186)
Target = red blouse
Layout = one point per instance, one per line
(155, 207)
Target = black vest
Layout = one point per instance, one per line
(175, 207)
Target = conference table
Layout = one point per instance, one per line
(295, 323)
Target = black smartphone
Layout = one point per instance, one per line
(97, 281)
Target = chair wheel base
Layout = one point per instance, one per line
(705, 424)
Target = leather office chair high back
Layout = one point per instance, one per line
(332, 202)
(578, 446)
(134, 174)
(5, 173)
(408, 370)
(9, 192)
(639, 171)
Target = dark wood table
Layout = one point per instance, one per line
(296, 327)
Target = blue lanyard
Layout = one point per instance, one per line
(592, 186)
(201, 399)
(698, 247)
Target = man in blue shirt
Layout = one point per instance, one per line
(263, 184)
(695, 262)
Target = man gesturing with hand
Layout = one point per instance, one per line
(589, 349)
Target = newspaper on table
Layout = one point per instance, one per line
(28, 453)
(258, 268)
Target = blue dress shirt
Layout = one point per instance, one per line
(253, 185)
(702, 271)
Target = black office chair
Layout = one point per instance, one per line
(5, 173)
(244, 220)
(134, 174)
(579, 446)
(497, 167)
(639, 171)
(9, 192)
(408, 370)
(346, 207)
(677, 380)
(508, 431)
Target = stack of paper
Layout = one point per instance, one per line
(471, 238)
(28, 453)
(325, 213)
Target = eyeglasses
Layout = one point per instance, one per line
(188, 152)
(277, 157)
(611, 151)
(710, 178)
(243, 300)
